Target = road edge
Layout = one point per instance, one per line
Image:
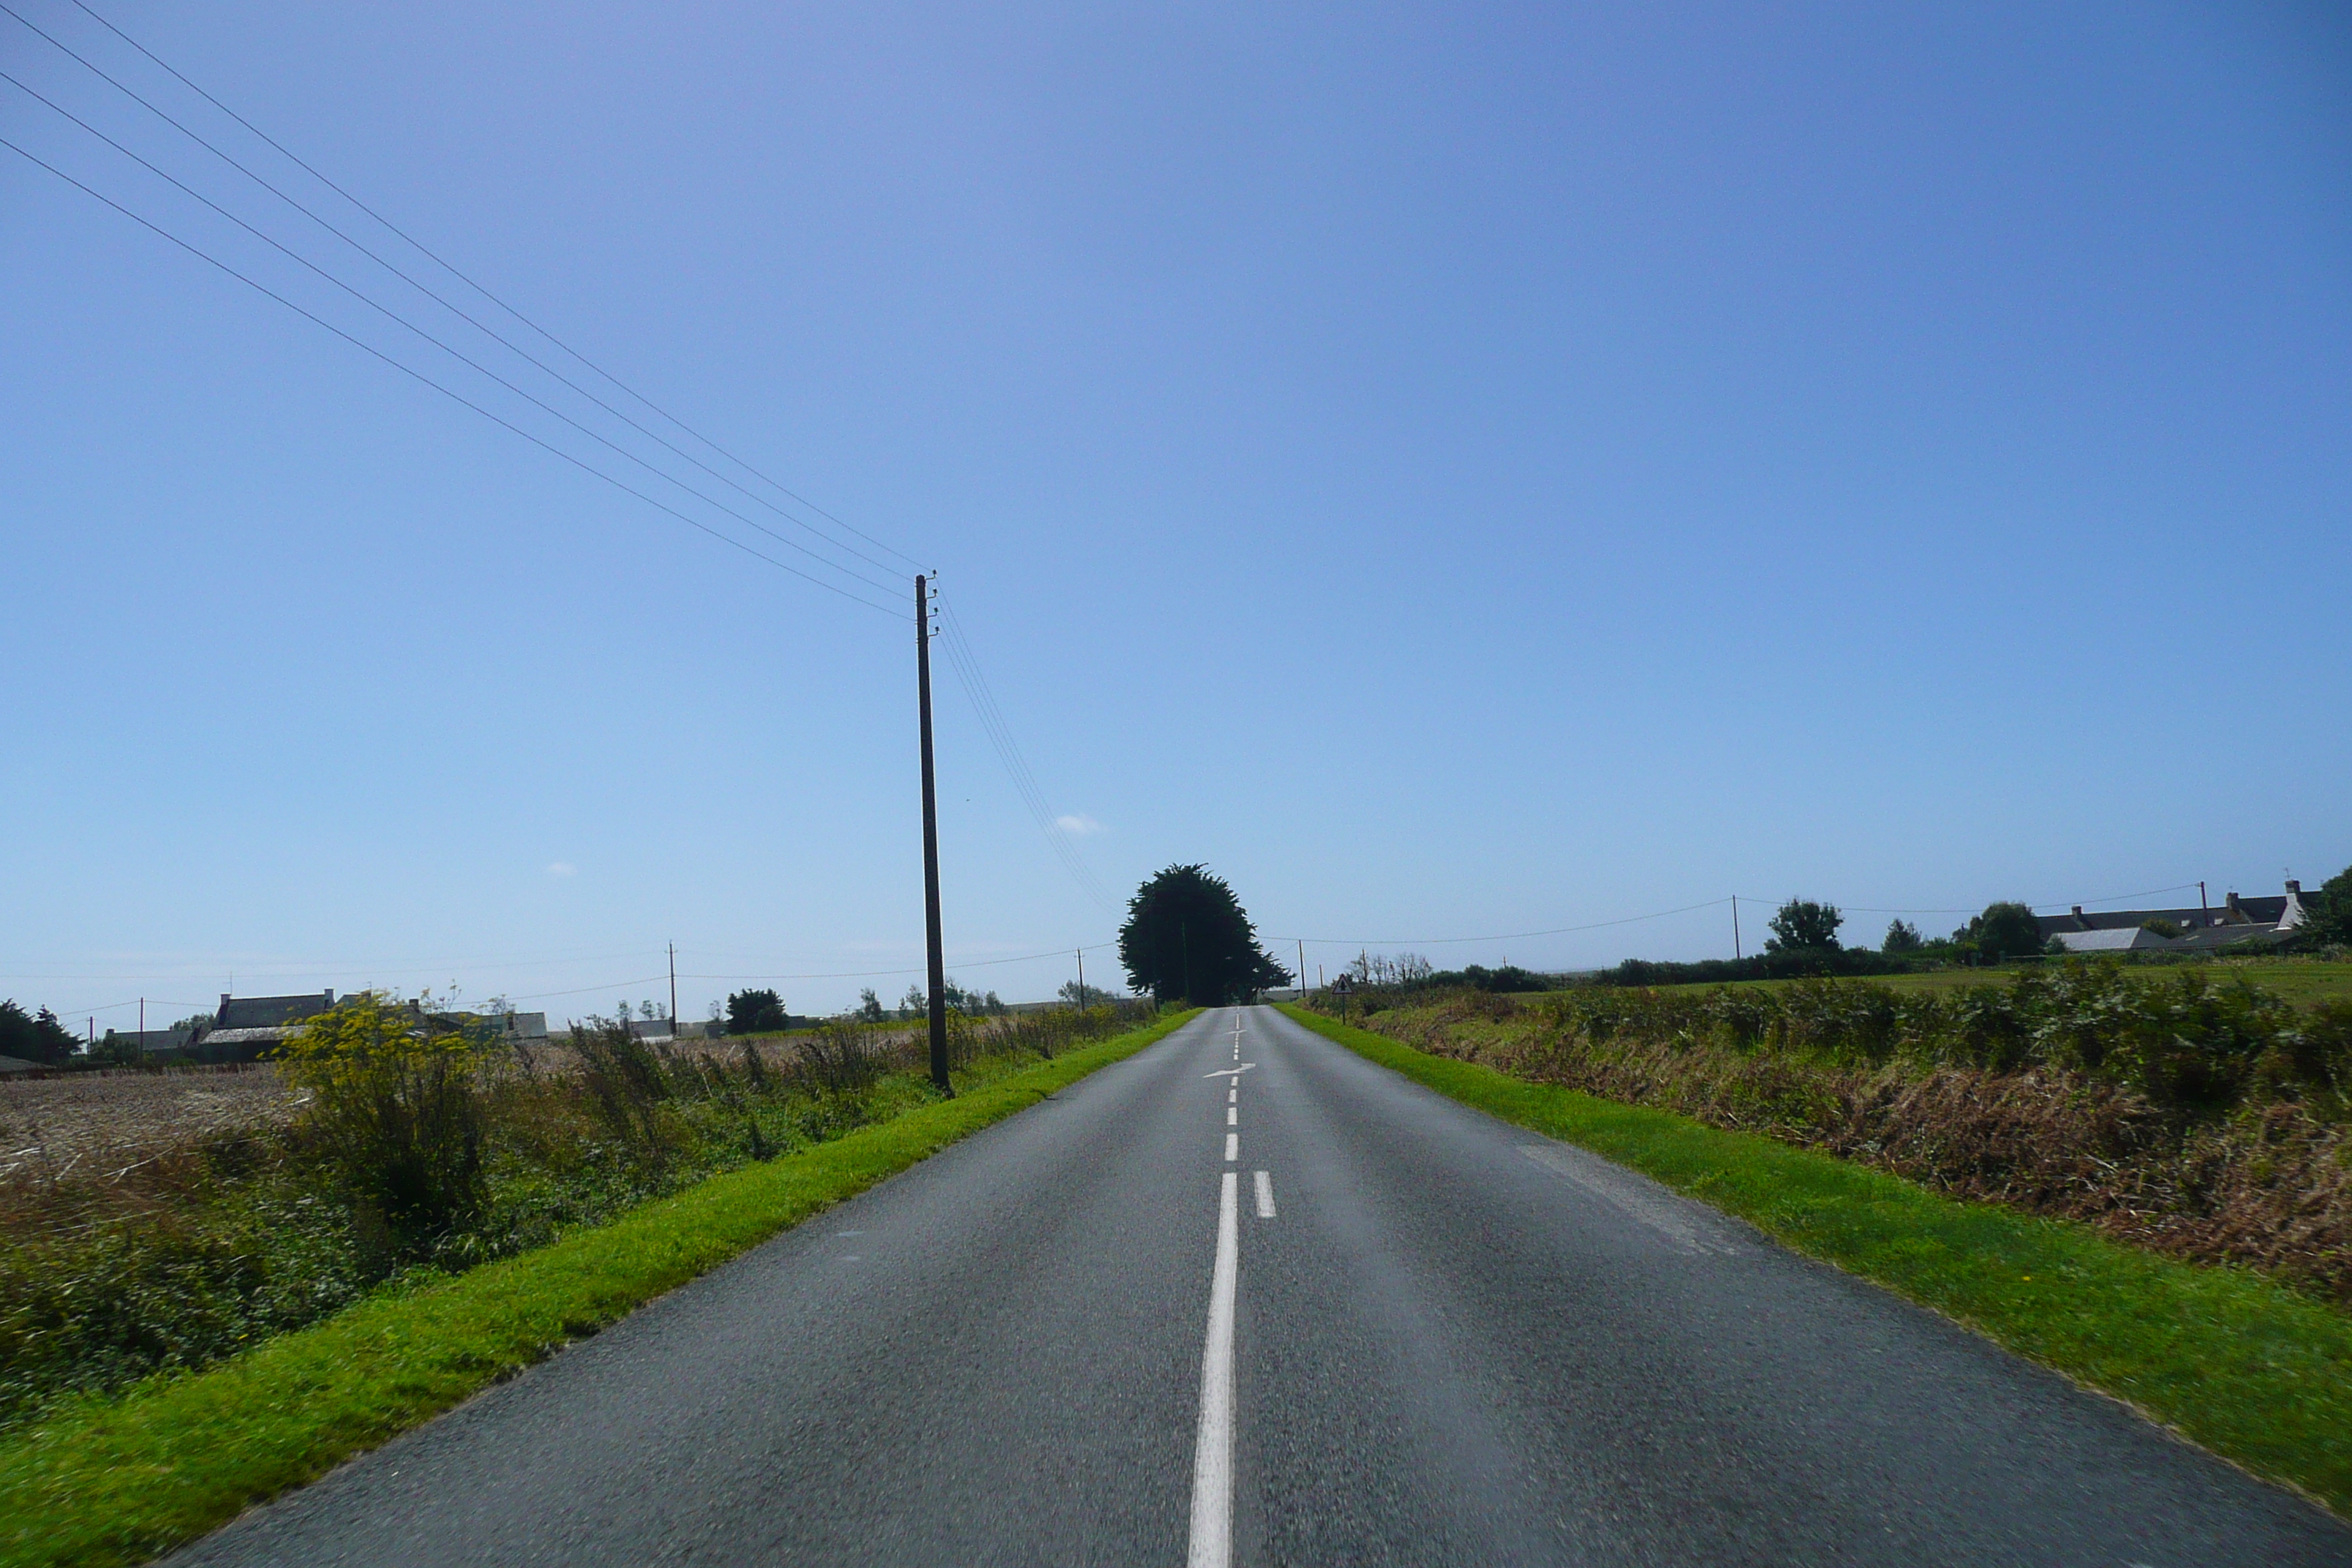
(2246, 1369)
(124, 1480)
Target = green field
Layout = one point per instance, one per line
(118, 1480)
(2248, 1369)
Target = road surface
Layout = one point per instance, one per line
(1246, 1298)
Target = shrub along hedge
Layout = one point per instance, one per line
(2212, 1122)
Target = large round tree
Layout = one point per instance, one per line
(1187, 936)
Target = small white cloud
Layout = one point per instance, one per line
(1078, 827)
(563, 868)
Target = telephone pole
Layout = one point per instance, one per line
(1735, 927)
(1082, 979)
(1302, 973)
(673, 988)
(938, 969)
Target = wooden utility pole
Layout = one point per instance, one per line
(1082, 977)
(1302, 971)
(1735, 926)
(938, 969)
(673, 988)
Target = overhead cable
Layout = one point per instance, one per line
(455, 396)
(1507, 936)
(446, 304)
(451, 268)
(457, 354)
(965, 661)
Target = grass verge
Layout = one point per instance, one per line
(120, 1481)
(2250, 1369)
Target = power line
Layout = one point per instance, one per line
(2051, 904)
(887, 974)
(1507, 936)
(965, 660)
(455, 396)
(1025, 780)
(447, 267)
(462, 358)
(962, 654)
(446, 304)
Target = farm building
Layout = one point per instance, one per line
(2259, 919)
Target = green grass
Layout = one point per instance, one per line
(2302, 981)
(120, 1481)
(2252, 1371)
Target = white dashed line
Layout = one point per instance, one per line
(1264, 1196)
(1232, 1145)
(1233, 1116)
(1213, 1449)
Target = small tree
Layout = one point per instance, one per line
(2006, 930)
(869, 1006)
(755, 1012)
(1902, 936)
(1076, 995)
(2332, 909)
(1804, 926)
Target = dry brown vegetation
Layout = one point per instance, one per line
(2254, 1168)
(101, 1122)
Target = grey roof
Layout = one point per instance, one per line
(264, 1012)
(2129, 939)
(2266, 910)
(13, 1064)
(269, 1034)
(2207, 937)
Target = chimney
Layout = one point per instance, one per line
(2236, 915)
(2295, 887)
(330, 996)
(223, 1014)
(2080, 923)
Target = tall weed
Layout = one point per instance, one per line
(399, 1106)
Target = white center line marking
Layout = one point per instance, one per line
(1264, 1196)
(1213, 1449)
(1232, 1145)
(1233, 1116)
(1233, 1094)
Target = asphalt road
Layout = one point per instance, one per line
(1093, 1334)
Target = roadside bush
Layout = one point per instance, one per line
(625, 1084)
(398, 1107)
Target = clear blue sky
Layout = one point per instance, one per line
(1454, 469)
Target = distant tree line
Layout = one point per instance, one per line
(34, 1037)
